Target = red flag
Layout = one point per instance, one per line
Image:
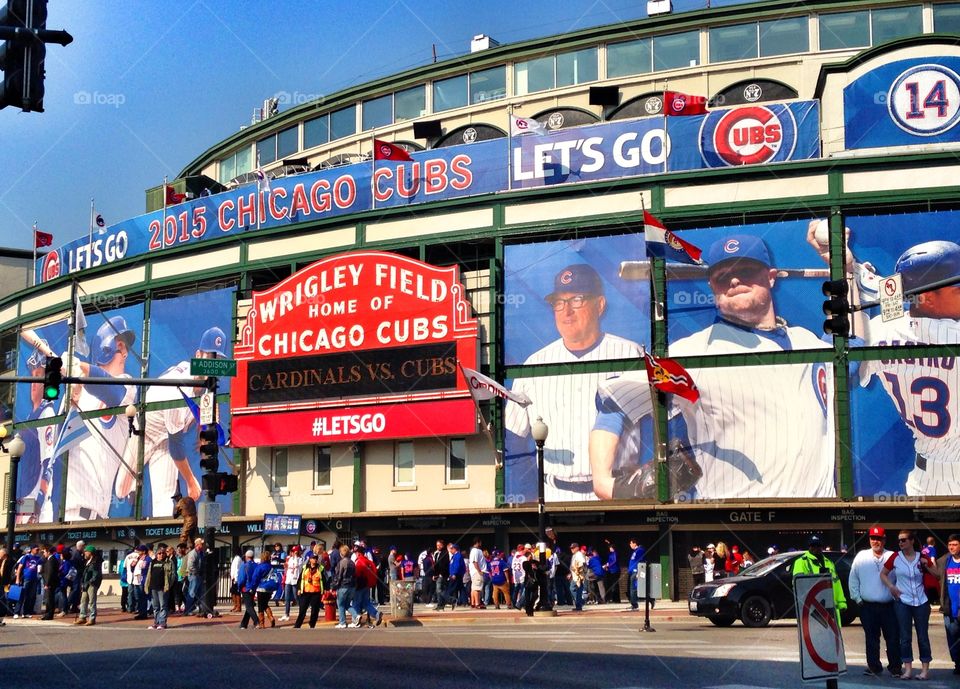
(384, 150)
(669, 376)
(172, 197)
(42, 239)
(676, 103)
(663, 243)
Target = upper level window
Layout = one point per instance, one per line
(488, 84)
(844, 30)
(343, 122)
(450, 93)
(235, 164)
(895, 22)
(629, 57)
(565, 69)
(288, 142)
(784, 36)
(377, 112)
(410, 103)
(403, 464)
(735, 42)
(316, 132)
(267, 150)
(946, 18)
(674, 51)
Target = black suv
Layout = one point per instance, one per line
(763, 592)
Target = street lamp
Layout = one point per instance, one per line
(16, 448)
(131, 412)
(539, 431)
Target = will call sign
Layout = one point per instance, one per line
(366, 329)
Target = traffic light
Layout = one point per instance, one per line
(209, 450)
(836, 308)
(23, 54)
(219, 483)
(52, 378)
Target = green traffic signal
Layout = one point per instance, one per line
(52, 378)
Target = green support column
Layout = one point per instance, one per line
(665, 536)
(358, 483)
(841, 372)
(496, 366)
(142, 415)
(658, 339)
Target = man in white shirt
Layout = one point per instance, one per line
(876, 605)
(477, 565)
(577, 576)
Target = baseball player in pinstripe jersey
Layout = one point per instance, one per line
(567, 404)
(757, 431)
(164, 436)
(924, 391)
(93, 463)
(35, 476)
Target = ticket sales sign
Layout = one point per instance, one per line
(358, 346)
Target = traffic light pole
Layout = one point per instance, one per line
(211, 563)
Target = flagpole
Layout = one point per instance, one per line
(666, 119)
(260, 175)
(373, 168)
(510, 147)
(34, 254)
(163, 224)
(487, 431)
(90, 233)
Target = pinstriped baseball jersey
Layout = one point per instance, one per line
(924, 393)
(94, 462)
(158, 426)
(760, 431)
(567, 405)
(37, 461)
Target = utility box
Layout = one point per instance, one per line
(655, 7)
(482, 42)
(656, 580)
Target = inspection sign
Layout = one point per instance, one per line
(821, 645)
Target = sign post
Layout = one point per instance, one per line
(648, 585)
(818, 630)
(891, 298)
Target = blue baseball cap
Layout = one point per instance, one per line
(212, 341)
(742, 246)
(578, 278)
(107, 335)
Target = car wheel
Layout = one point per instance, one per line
(722, 620)
(756, 612)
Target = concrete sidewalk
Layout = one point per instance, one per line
(109, 613)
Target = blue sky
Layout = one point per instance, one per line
(147, 86)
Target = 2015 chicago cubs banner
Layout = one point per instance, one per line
(747, 135)
(902, 103)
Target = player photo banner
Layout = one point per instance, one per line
(904, 103)
(357, 329)
(98, 441)
(904, 410)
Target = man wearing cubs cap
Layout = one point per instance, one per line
(166, 439)
(94, 462)
(565, 403)
(733, 433)
(877, 615)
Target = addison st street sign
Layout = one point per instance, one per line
(358, 346)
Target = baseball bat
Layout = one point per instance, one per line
(34, 340)
(640, 270)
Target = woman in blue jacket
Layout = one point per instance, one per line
(247, 584)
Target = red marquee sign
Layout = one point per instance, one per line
(357, 346)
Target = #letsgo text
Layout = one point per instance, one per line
(349, 424)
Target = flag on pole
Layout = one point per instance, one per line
(676, 103)
(384, 150)
(522, 125)
(662, 243)
(667, 375)
(80, 344)
(171, 197)
(71, 433)
(42, 239)
(100, 222)
(484, 388)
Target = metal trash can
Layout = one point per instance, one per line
(401, 599)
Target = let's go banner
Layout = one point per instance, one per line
(747, 135)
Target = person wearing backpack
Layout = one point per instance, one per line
(365, 574)
(68, 578)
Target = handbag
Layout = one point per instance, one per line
(14, 593)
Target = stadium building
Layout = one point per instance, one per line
(355, 254)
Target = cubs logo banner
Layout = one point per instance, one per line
(904, 103)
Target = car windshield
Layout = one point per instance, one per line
(766, 565)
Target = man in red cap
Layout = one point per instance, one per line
(876, 604)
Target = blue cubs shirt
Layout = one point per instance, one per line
(498, 568)
(952, 573)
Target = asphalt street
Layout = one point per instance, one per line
(497, 650)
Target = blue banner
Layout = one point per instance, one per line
(904, 103)
(748, 135)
